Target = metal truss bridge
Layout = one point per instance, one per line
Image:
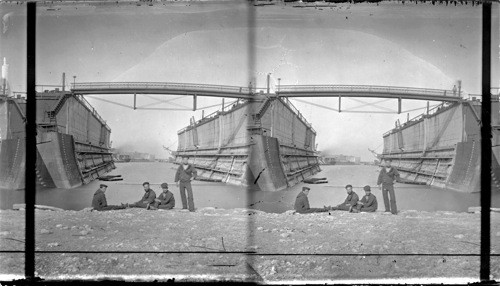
(283, 91)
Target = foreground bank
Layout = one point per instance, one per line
(363, 242)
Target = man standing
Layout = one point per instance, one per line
(147, 199)
(185, 174)
(368, 203)
(99, 202)
(302, 203)
(388, 175)
(165, 200)
(351, 201)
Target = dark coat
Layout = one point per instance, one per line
(352, 199)
(369, 201)
(167, 199)
(301, 203)
(99, 200)
(388, 178)
(148, 196)
(185, 175)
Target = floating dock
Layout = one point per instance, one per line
(73, 141)
(264, 143)
(442, 148)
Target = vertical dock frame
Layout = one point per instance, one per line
(484, 272)
(30, 183)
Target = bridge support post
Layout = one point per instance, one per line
(135, 101)
(399, 105)
(194, 102)
(340, 103)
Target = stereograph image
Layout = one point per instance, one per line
(250, 141)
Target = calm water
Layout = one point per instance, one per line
(207, 194)
(414, 197)
(130, 189)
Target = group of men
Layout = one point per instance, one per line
(186, 173)
(387, 176)
(183, 177)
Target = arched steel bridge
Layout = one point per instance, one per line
(286, 91)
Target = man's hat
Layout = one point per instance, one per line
(103, 186)
(305, 188)
(367, 188)
(164, 186)
(145, 183)
(348, 186)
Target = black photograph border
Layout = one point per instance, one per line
(485, 193)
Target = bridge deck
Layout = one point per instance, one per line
(161, 88)
(284, 90)
(368, 91)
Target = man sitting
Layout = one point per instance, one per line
(302, 203)
(165, 200)
(99, 202)
(148, 198)
(368, 203)
(349, 203)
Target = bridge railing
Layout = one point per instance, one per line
(366, 88)
(159, 85)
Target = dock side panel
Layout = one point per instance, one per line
(265, 164)
(58, 154)
(12, 164)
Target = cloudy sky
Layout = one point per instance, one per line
(390, 44)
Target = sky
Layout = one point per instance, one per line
(389, 44)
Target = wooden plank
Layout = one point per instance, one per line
(478, 210)
(40, 207)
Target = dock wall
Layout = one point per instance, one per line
(283, 121)
(82, 123)
(225, 129)
(11, 119)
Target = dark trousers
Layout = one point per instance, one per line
(183, 186)
(313, 210)
(362, 208)
(164, 207)
(139, 205)
(341, 207)
(110, 208)
(386, 191)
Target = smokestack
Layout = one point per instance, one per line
(268, 82)
(63, 81)
(5, 69)
(5, 75)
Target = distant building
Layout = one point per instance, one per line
(133, 156)
(141, 157)
(341, 160)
